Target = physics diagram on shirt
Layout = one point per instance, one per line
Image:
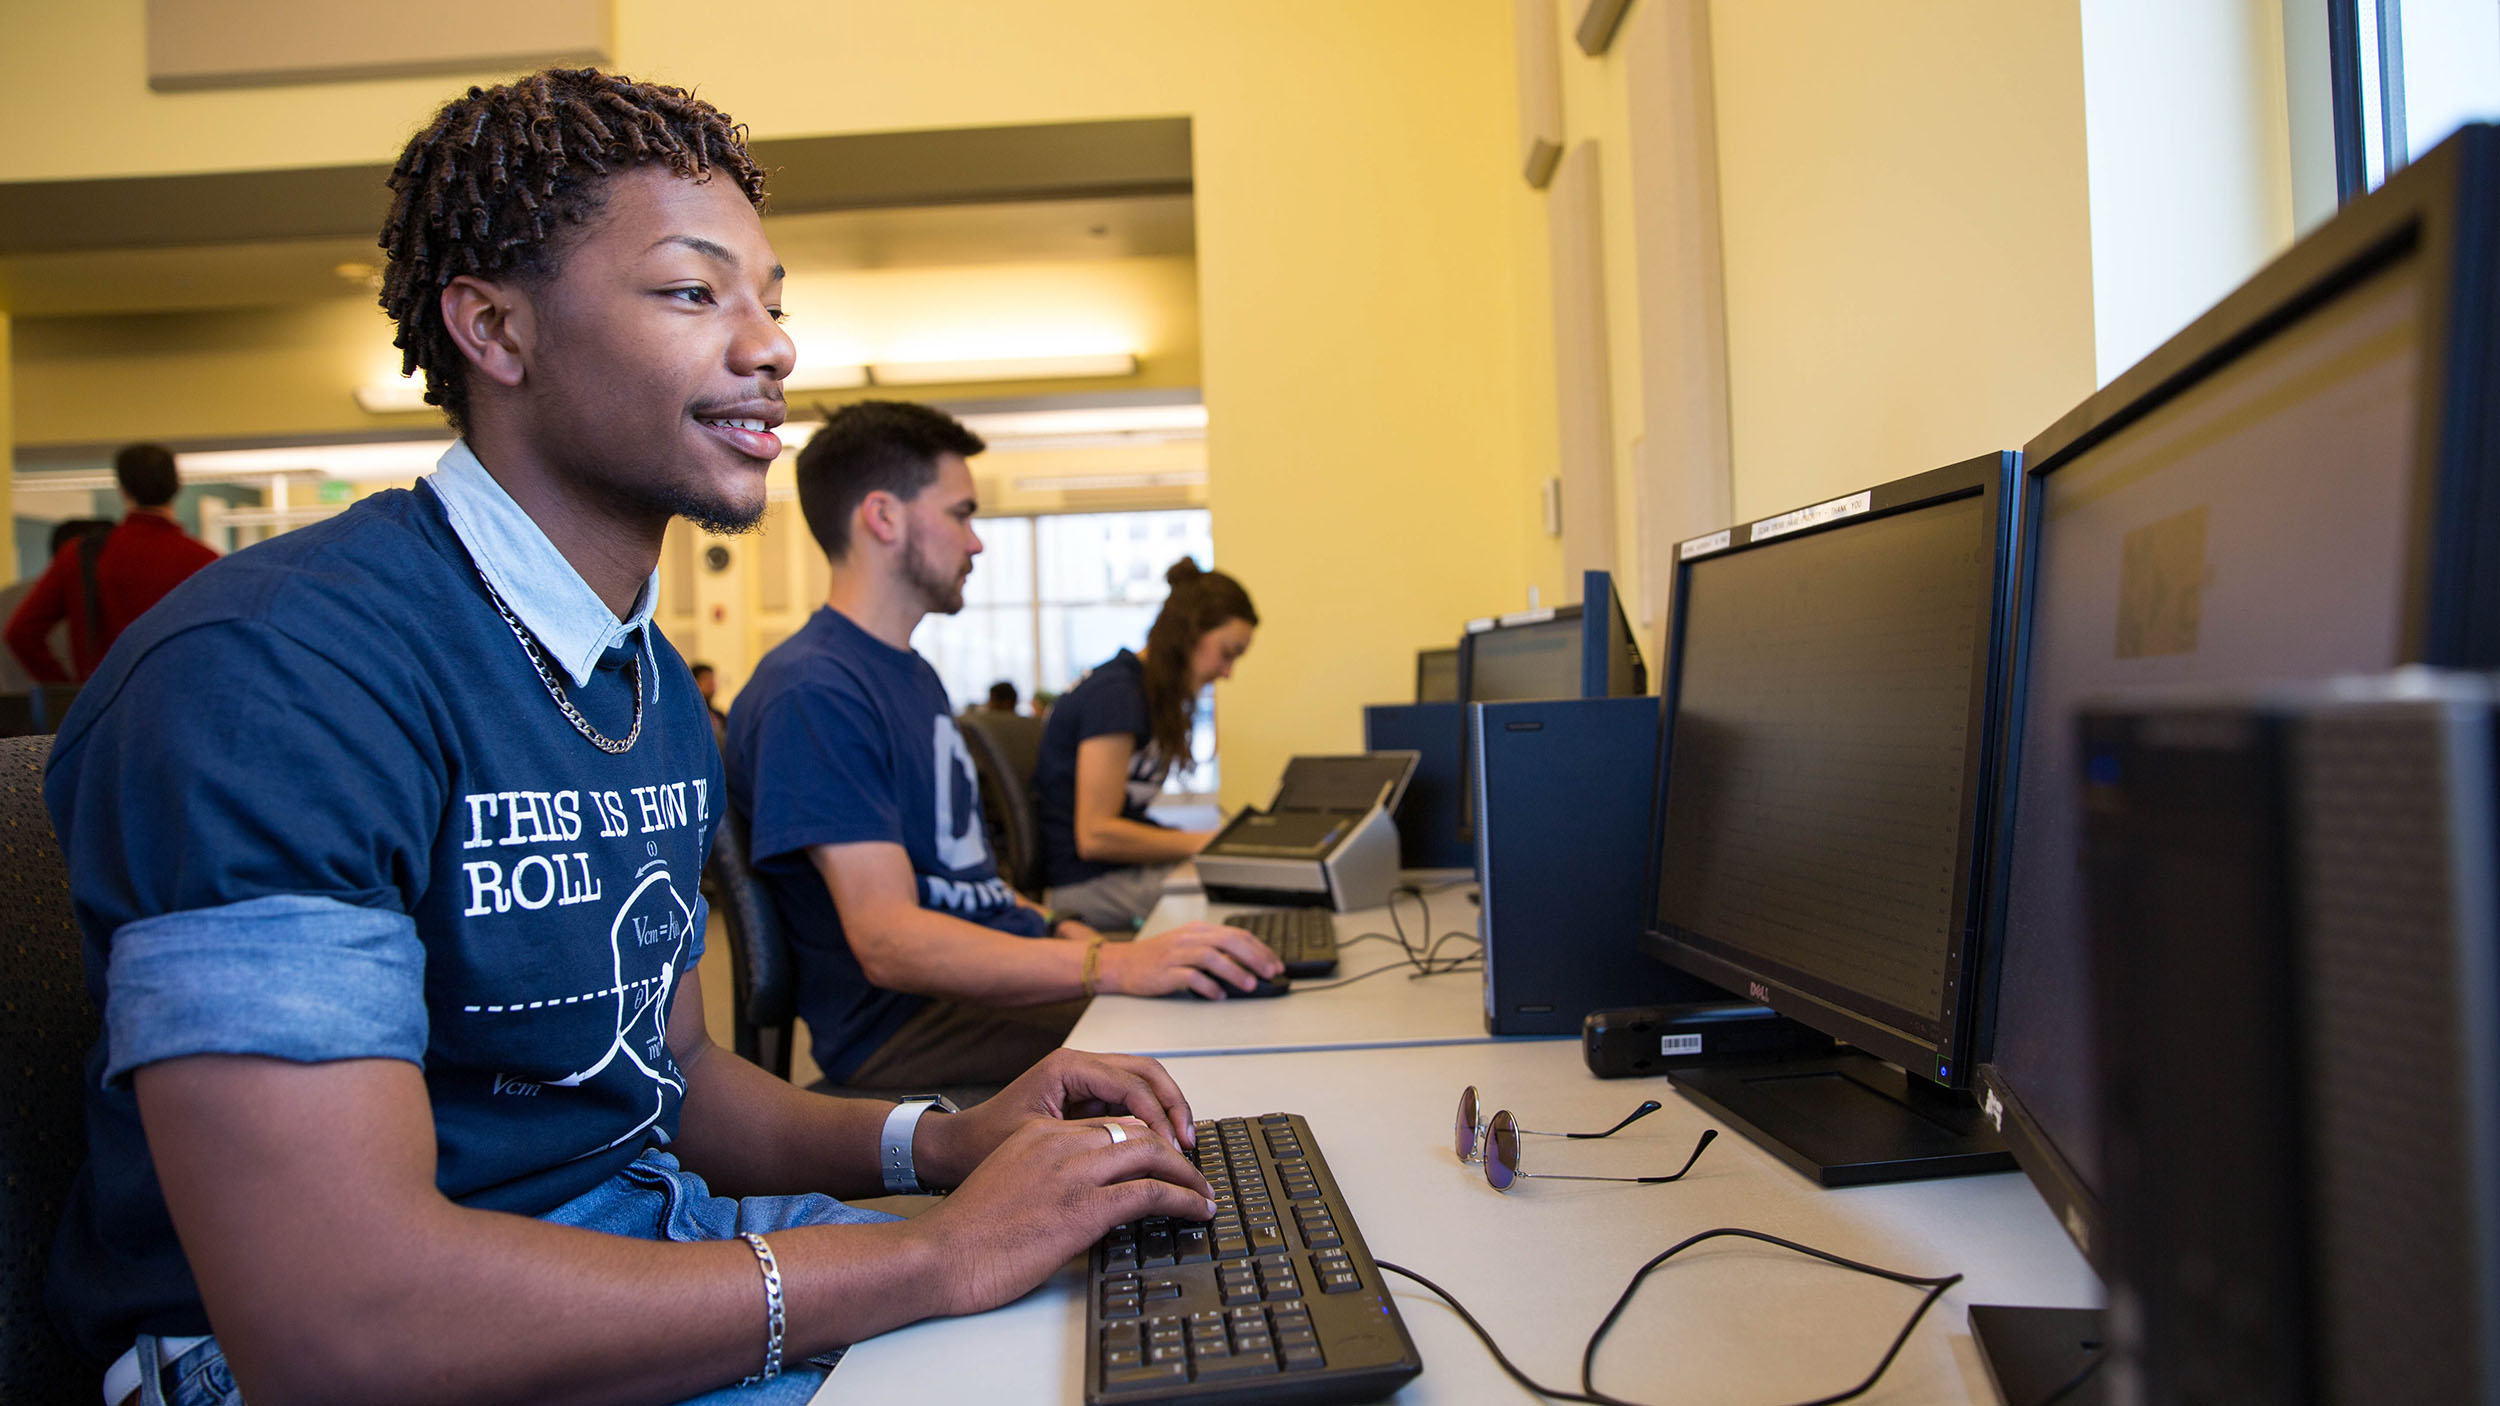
(610, 1020)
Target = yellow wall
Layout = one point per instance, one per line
(1907, 249)
(1359, 256)
(1907, 235)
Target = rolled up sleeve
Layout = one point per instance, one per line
(293, 977)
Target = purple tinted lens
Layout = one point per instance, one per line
(1465, 1139)
(1501, 1152)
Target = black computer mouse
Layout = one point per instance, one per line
(1278, 987)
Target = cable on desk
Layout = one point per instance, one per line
(1936, 1288)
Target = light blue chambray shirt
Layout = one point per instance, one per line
(571, 623)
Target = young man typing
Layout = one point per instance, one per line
(385, 834)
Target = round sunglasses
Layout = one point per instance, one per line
(1495, 1142)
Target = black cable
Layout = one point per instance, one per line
(1936, 1288)
(2077, 1380)
(1500, 1358)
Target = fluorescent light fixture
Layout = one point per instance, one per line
(391, 459)
(1012, 368)
(397, 396)
(1100, 483)
(1171, 421)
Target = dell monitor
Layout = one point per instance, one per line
(1436, 675)
(2303, 482)
(1831, 713)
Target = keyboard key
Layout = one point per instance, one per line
(1341, 1282)
(1301, 1359)
(1166, 1374)
(1240, 1364)
(1191, 1244)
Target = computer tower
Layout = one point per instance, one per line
(1563, 791)
(1427, 816)
(2293, 926)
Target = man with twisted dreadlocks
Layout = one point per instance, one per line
(384, 837)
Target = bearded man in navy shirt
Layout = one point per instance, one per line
(384, 838)
(917, 964)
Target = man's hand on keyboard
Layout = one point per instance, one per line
(1049, 1191)
(1066, 1084)
(1208, 958)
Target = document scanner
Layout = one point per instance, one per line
(1326, 841)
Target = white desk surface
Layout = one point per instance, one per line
(1729, 1321)
(1387, 1009)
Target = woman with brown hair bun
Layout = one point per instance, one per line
(1113, 739)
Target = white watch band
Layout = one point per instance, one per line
(894, 1145)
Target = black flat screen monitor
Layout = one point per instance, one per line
(2302, 483)
(1831, 713)
(1436, 675)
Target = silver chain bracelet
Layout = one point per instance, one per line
(772, 1311)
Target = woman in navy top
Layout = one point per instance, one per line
(1112, 740)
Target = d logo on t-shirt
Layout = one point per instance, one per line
(960, 843)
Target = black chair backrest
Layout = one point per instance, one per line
(1015, 829)
(18, 716)
(46, 1028)
(763, 992)
(51, 701)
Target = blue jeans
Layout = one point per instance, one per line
(653, 1199)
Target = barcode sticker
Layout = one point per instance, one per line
(1815, 516)
(1679, 1044)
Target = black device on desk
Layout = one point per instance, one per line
(1275, 1300)
(2296, 953)
(2303, 482)
(1304, 939)
(1327, 840)
(1831, 714)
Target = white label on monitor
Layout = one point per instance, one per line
(1692, 547)
(1679, 1044)
(1994, 1111)
(1481, 624)
(1815, 516)
(1536, 616)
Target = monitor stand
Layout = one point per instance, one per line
(2041, 1354)
(1850, 1119)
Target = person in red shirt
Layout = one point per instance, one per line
(143, 558)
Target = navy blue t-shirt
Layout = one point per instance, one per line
(318, 805)
(1110, 700)
(840, 738)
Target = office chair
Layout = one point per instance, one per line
(46, 1028)
(1015, 828)
(19, 716)
(763, 995)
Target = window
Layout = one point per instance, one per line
(1052, 597)
(2406, 74)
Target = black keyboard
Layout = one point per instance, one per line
(1304, 939)
(1275, 1300)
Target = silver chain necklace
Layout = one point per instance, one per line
(547, 676)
